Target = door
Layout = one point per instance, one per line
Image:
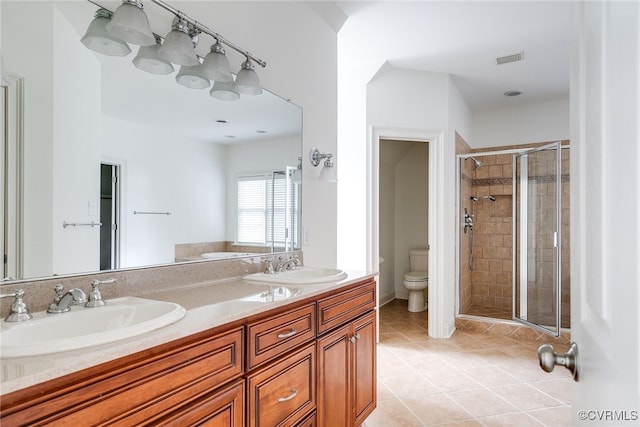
(109, 216)
(605, 206)
(537, 240)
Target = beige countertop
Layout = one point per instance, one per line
(208, 305)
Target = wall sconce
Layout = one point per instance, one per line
(328, 172)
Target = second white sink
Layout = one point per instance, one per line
(86, 327)
(300, 276)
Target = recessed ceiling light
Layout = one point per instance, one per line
(512, 93)
(261, 131)
(229, 136)
(222, 121)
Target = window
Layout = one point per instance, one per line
(267, 210)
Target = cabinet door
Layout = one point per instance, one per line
(364, 366)
(334, 378)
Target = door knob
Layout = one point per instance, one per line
(549, 359)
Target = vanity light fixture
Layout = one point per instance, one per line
(98, 39)
(109, 33)
(189, 76)
(328, 172)
(148, 60)
(179, 46)
(216, 65)
(130, 23)
(224, 91)
(247, 82)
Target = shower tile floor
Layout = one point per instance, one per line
(493, 312)
(470, 379)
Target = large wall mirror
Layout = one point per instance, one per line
(170, 173)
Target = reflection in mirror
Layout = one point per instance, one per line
(111, 167)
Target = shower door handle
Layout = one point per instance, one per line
(549, 359)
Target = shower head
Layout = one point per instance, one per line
(473, 199)
(477, 163)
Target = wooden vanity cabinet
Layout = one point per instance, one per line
(310, 363)
(179, 377)
(347, 359)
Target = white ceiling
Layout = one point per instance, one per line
(463, 39)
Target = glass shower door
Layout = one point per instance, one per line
(537, 264)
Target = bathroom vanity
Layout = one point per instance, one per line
(305, 360)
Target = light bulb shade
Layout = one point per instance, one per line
(216, 65)
(247, 82)
(98, 39)
(178, 48)
(224, 91)
(189, 76)
(130, 23)
(148, 60)
(328, 173)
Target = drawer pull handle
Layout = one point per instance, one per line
(291, 333)
(293, 394)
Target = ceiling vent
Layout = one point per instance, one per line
(510, 58)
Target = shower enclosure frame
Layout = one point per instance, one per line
(459, 218)
(516, 153)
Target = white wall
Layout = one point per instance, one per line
(38, 124)
(544, 121)
(301, 52)
(76, 151)
(191, 185)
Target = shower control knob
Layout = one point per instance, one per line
(549, 359)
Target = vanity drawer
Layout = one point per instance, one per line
(283, 393)
(137, 390)
(280, 333)
(345, 306)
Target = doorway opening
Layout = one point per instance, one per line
(109, 216)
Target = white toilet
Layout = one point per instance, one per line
(417, 280)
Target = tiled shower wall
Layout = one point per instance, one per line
(491, 274)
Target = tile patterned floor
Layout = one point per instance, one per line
(494, 312)
(470, 379)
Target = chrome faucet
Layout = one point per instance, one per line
(268, 266)
(95, 297)
(63, 300)
(289, 264)
(19, 311)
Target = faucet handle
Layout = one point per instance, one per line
(268, 265)
(95, 297)
(19, 311)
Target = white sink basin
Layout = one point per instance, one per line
(300, 276)
(86, 327)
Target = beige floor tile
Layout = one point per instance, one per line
(448, 379)
(558, 388)
(472, 379)
(436, 409)
(392, 413)
(491, 376)
(481, 403)
(405, 386)
(518, 419)
(554, 417)
(526, 397)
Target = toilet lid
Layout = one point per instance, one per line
(416, 276)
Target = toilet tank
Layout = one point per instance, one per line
(419, 259)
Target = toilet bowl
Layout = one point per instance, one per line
(417, 280)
